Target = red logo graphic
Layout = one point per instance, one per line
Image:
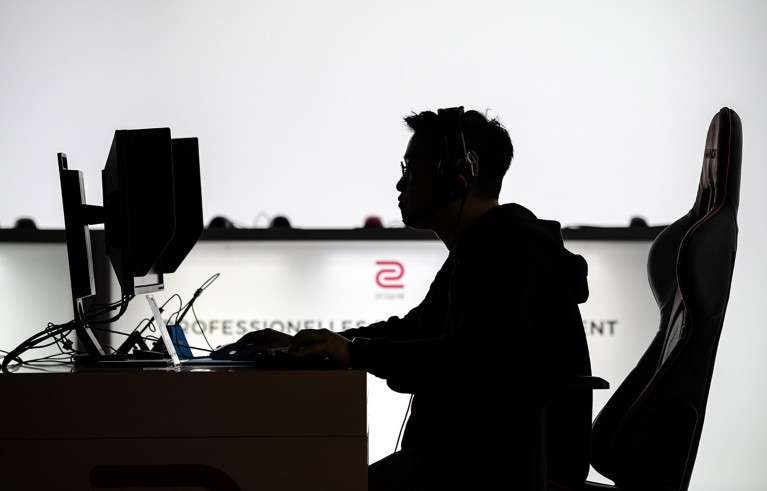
(388, 274)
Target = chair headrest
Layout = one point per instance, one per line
(720, 175)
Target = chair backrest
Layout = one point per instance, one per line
(647, 435)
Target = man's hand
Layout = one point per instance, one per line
(265, 339)
(321, 342)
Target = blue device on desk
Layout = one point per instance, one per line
(178, 338)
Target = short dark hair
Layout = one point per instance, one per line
(487, 137)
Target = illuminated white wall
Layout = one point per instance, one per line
(298, 108)
(298, 104)
(34, 291)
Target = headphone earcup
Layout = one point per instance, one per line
(455, 185)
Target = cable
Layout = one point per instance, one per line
(180, 314)
(58, 332)
(97, 310)
(197, 293)
(54, 359)
(202, 331)
(190, 306)
(50, 331)
(457, 222)
(401, 428)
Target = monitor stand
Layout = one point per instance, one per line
(139, 358)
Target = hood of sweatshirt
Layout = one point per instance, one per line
(519, 221)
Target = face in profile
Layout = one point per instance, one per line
(420, 193)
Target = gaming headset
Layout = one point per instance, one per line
(457, 167)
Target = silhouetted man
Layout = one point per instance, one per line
(502, 309)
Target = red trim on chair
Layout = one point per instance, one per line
(662, 371)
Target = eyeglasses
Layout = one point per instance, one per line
(406, 168)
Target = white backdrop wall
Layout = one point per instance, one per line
(298, 108)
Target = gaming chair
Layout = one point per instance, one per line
(646, 436)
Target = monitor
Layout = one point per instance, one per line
(153, 205)
(151, 212)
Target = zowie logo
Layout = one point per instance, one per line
(389, 273)
(709, 153)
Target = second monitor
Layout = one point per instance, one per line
(152, 216)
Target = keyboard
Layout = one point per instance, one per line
(272, 358)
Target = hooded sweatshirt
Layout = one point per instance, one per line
(501, 312)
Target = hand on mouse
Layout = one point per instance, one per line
(265, 339)
(321, 342)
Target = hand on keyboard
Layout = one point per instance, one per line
(265, 339)
(276, 358)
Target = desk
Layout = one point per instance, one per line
(234, 429)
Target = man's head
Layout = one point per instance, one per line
(451, 154)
